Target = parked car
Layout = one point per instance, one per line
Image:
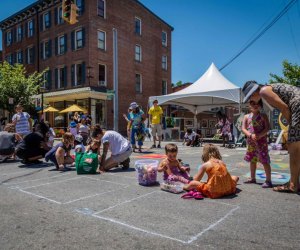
(273, 135)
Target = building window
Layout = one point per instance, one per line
(102, 75)
(164, 38)
(46, 49)
(275, 127)
(164, 62)
(19, 33)
(9, 59)
(46, 20)
(276, 112)
(164, 87)
(80, 7)
(30, 56)
(78, 39)
(60, 20)
(101, 40)
(61, 78)
(138, 83)
(30, 28)
(138, 26)
(61, 45)
(101, 8)
(19, 57)
(8, 38)
(78, 74)
(276, 121)
(138, 53)
(45, 80)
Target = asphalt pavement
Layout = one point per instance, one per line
(41, 208)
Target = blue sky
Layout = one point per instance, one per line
(207, 31)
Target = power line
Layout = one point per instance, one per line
(285, 9)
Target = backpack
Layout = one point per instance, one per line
(86, 163)
(7, 143)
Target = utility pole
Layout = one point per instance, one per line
(115, 79)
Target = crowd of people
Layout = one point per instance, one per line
(19, 140)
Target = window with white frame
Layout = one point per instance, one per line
(19, 57)
(101, 39)
(102, 75)
(138, 53)
(30, 28)
(19, 33)
(46, 20)
(45, 80)
(8, 38)
(78, 39)
(46, 49)
(138, 26)
(61, 45)
(164, 38)
(78, 74)
(138, 83)
(60, 20)
(164, 87)
(79, 6)
(61, 78)
(30, 55)
(164, 62)
(101, 8)
(9, 59)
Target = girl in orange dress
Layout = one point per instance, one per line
(220, 182)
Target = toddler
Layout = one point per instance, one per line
(220, 182)
(79, 147)
(172, 168)
(255, 127)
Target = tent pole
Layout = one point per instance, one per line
(240, 102)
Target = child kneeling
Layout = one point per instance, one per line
(219, 183)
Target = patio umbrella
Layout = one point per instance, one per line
(49, 109)
(73, 108)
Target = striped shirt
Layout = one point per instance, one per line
(22, 125)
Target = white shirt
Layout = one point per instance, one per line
(117, 143)
(190, 136)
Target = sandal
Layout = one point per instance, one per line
(284, 189)
(267, 184)
(250, 181)
(188, 195)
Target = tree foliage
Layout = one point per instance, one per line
(291, 74)
(16, 84)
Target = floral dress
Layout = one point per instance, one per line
(257, 151)
(224, 126)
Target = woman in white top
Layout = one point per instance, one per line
(120, 150)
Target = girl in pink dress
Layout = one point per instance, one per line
(255, 127)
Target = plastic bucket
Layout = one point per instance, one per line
(146, 172)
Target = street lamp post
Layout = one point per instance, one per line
(42, 89)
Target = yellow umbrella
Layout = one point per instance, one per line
(49, 109)
(73, 108)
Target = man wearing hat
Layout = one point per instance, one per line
(155, 117)
(286, 98)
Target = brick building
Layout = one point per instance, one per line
(80, 56)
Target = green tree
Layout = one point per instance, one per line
(16, 84)
(291, 74)
(179, 83)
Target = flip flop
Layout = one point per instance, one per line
(284, 189)
(188, 195)
(198, 196)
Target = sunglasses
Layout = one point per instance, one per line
(253, 103)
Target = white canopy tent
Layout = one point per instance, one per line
(211, 90)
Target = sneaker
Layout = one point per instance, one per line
(267, 184)
(158, 146)
(153, 146)
(126, 164)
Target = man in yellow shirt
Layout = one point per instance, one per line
(155, 117)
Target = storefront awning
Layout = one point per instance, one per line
(72, 94)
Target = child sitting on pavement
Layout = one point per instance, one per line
(220, 182)
(189, 137)
(60, 154)
(172, 168)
